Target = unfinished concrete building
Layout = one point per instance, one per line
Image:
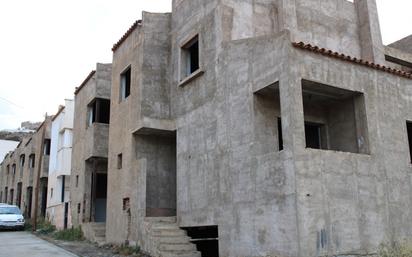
(259, 128)
(21, 177)
(89, 152)
(58, 199)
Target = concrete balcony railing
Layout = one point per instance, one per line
(97, 140)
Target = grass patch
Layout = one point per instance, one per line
(73, 234)
(128, 250)
(402, 249)
(44, 227)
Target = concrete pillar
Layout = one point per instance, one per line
(370, 32)
(287, 17)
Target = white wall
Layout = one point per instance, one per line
(60, 162)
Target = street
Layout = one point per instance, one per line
(23, 244)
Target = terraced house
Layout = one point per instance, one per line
(259, 128)
(24, 173)
(236, 128)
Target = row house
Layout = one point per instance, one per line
(58, 199)
(24, 172)
(233, 128)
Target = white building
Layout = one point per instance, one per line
(58, 203)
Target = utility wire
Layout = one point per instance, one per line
(10, 102)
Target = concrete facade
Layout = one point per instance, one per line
(206, 147)
(89, 150)
(58, 199)
(20, 179)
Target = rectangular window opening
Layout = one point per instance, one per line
(126, 204)
(125, 80)
(77, 180)
(280, 136)
(190, 57)
(334, 118)
(119, 161)
(409, 131)
(47, 143)
(206, 239)
(98, 111)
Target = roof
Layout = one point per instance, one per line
(91, 74)
(405, 44)
(330, 53)
(61, 108)
(126, 35)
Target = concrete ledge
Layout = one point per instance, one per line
(398, 54)
(192, 76)
(149, 126)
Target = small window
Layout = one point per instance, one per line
(190, 57)
(51, 193)
(47, 146)
(409, 131)
(125, 79)
(78, 208)
(77, 180)
(119, 161)
(280, 136)
(126, 204)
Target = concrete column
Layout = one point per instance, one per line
(370, 32)
(287, 17)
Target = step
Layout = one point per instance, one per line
(180, 254)
(168, 232)
(172, 240)
(177, 247)
(100, 233)
(161, 219)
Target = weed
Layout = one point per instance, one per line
(402, 249)
(73, 234)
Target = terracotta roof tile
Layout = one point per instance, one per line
(348, 58)
(126, 35)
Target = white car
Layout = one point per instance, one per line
(11, 217)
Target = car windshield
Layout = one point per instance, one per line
(9, 210)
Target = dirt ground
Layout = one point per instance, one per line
(87, 249)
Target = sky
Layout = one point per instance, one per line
(48, 47)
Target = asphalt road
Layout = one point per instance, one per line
(24, 244)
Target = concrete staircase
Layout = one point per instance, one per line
(95, 232)
(166, 239)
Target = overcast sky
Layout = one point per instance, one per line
(48, 47)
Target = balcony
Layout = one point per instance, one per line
(97, 138)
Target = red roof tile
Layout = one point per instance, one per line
(348, 58)
(126, 35)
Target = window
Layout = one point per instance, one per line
(119, 161)
(125, 79)
(47, 146)
(280, 136)
(77, 180)
(409, 131)
(334, 118)
(313, 135)
(31, 161)
(78, 208)
(190, 57)
(98, 111)
(22, 160)
(51, 193)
